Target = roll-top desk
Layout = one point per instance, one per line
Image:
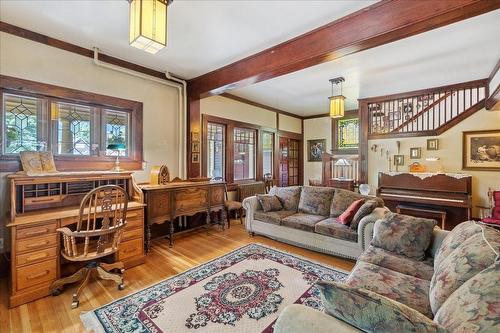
(40, 205)
(166, 202)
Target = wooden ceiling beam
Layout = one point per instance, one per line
(381, 23)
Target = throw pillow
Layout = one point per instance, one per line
(403, 234)
(316, 200)
(342, 199)
(475, 306)
(289, 196)
(269, 203)
(367, 208)
(346, 217)
(371, 312)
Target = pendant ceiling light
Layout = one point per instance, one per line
(148, 24)
(337, 102)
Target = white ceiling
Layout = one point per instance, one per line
(202, 35)
(460, 52)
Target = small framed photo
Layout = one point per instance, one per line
(195, 147)
(195, 137)
(399, 160)
(432, 144)
(195, 158)
(415, 153)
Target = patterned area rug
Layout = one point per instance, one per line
(242, 291)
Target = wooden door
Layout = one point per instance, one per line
(289, 166)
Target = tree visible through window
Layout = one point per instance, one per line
(244, 153)
(21, 124)
(215, 142)
(73, 128)
(116, 126)
(267, 152)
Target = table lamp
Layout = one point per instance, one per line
(342, 163)
(117, 147)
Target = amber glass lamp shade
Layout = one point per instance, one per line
(148, 24)
(337, 106)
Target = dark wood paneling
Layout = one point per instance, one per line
(133, 162)
(378, 24)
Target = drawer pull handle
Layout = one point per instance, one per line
(37, 257)
(45, 242)
(36, 233)
(39, 275)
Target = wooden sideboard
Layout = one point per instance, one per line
(164, 203)
(40, 205)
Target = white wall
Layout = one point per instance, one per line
(29, 60)
(227, 108)
(316, 128)
(450, 152)
(290, 124)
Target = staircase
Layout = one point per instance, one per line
(424, 113)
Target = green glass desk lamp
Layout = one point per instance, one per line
(117, 147)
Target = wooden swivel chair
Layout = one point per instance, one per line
(98, 233)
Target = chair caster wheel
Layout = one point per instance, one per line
(121, 286)
(75, 304)
(56, 292)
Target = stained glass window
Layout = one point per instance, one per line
(348, 133)
(73, 128)
(21, 124)
(117, 131)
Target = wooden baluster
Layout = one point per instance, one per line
(73, 246)
(94, 220)
(86, 246)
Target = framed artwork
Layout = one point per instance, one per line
(399, 160)
(315, 149)
(432, 144)
(195, 147)
(195, 137)
(195, 158)
(481, 150)
(415, 153)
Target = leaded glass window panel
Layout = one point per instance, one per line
(74, 126)
(21, 124)
(216, 151)
(267, 152)
(244, 153)
(348, 133)
(117, 127)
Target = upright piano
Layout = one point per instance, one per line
(449, 193)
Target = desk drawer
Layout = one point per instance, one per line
(131, 234)
(31, 275)
(38, 230)
(135, 219)
(130, 249)
(34, 257)
(33, 244)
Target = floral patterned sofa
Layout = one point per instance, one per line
(454, 286)
(308, 219)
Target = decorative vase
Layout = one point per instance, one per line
(364, 189)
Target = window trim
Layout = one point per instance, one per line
(229, 126)
(11, 163)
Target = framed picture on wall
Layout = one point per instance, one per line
(399, 160)
(432, 144)
(195, 147)
(415, 153)
(481, 150)
(315, 149)
(195, 158)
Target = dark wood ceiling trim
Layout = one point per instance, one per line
(381, 23)
(262, 106)
(43, 39)
(322, 115)
(492, 101)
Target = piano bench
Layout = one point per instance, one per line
(426, 212)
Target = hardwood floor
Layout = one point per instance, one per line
(54, 314)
